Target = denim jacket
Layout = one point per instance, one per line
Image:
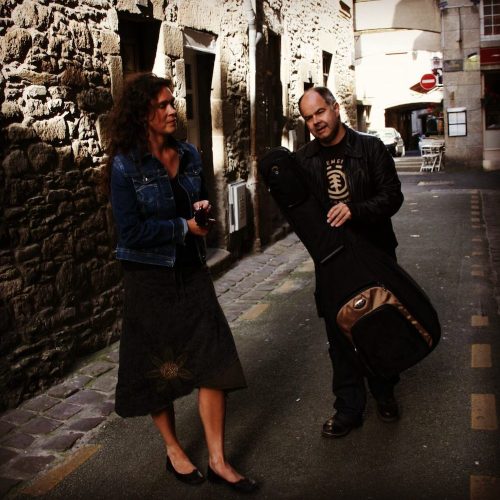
(144, 207)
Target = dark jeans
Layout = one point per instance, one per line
(348, 377)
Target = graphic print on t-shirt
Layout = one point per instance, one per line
(338, 189)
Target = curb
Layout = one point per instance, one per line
(49, 429)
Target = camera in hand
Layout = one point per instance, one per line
(202, 218)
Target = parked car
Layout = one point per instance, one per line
(392, 140)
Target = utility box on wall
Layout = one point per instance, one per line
(237, 206)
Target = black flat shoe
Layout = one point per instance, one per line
(388, 410)
(245, 485)
(194, 477)
(339, 426)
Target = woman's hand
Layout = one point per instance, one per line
(339, 214)
(195, 229)
(205, 204)
(192, 225)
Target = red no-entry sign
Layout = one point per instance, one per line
(428, 81)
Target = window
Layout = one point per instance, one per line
(138, 43)
(492, 100)
(457, 122)
(491, 18)
(327, 63)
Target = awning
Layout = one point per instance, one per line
(418, 88)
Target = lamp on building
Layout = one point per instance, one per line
(442, 5)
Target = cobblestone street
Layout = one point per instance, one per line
(43, 430)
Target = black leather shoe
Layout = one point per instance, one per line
(340, 425)
(194, 477)
(245, 485)
(388, 410)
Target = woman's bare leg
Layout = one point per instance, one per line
(212, 407)
(165, 423)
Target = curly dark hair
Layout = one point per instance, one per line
(128, 120)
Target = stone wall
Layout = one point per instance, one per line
(309, 28)
(61, 67)
(59, 286)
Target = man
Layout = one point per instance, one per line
(355, 178)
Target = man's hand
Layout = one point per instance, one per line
(339, 214)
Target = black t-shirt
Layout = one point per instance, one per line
(186, 254)
(332, 158)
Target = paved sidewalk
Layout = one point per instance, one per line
(47, 429)
(54, 426)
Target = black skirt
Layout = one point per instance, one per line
(175, 338)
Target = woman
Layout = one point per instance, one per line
(175, 337)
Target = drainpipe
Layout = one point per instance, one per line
(253, 184)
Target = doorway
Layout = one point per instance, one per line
(199, 68)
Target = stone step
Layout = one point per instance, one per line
(408, 163)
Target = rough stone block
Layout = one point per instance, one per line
(42, 156)
(86, 397)
(113, 356)
(63, 411)
(31, 465)
(34, 108)
(62, 391)
(105, 384)
(15, 45)
(110, 43)
(15, 164)
(53, 129)
(116, 73)
(82, 38)
(6, 455)
(96, 100)
(112, 19)
(31, 14)
(11, 110)
(18, 416)
(19, 441)
(96, 369)
(40, 403)
(62, 442)
(5, 428)
(180, 78)
(79, 381)
(35, 77)
(128, 6)
(103, 410)
(40, 425)
(173, 40)
(35, 92)
(86, 424)
(102, 130)
(19, 133)
(24, 254)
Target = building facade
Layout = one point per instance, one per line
(238, 66)
(402, 43)
(397, 42)
(471, 77)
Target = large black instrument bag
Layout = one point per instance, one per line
(374, 302)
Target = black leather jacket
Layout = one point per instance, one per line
(374, 186)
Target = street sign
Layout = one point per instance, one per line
(428, 81)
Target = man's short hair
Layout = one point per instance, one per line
(324, 92)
